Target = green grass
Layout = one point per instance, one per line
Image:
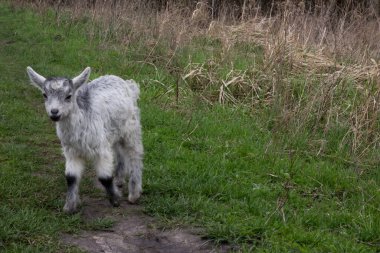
(218, 168)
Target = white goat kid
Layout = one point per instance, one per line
(97, 121)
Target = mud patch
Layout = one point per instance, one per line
(133, 232)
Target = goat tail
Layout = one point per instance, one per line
(134, 87)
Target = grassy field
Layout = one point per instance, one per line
(220, 168)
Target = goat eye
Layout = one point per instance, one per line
(45, 96)
(68, 98)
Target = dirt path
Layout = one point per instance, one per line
(133, 232)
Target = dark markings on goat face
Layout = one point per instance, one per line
(58, 87)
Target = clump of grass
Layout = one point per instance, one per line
(101, 224)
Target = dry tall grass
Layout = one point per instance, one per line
(320, 70)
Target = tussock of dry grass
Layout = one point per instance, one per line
(237, 86)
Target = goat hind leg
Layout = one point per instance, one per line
(134, 166)
(120, 170)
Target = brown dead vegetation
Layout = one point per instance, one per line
(319, 70)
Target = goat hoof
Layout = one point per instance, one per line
(115, 202)
(132, 199)
(119, 183)
(70, 210)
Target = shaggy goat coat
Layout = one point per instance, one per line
(106, 114)
(97, 121)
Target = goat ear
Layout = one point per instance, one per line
(35, 78)
(82, 78)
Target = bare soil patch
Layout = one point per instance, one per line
(134, 231)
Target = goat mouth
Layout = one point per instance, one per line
(55, 118)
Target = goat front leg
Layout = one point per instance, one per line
(73, 173)
(104, 169)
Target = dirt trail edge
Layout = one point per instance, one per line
(133, 232)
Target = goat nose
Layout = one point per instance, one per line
(54, 111)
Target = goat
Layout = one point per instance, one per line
(99, 122)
